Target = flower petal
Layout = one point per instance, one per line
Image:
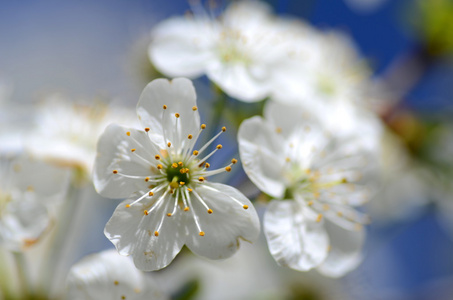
(179, 98)
(262, 156)
(133, 233)
(114, 153)
(223, 228)
(294, 240)
(180, 46)
(345, 250)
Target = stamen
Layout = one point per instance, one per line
(201, 233)
(189, 136)
(147, 129)
(133, 150)
(169, 144)
(128, 133)
(228, 169)
(177, 115)
(234, 160)
(245, 206)
(195, 217)
(203, 126)
(223, 128)
(229, 196)
(164, 107)
(157, 157)
(194, 108)
(115, 171)
(319, 218)
(202, 202)
(156, 233)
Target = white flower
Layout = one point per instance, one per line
(329, 70)
(321, 172)
(172, 202)
(107, 275)
(67, 132)
(26, 187)
(241, 52)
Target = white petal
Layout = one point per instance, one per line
(345, 251)
(294, 240)
(181, 46)
(246, 83)
(132, 232)
(228, 223)
(179, 97)
(114, 153)
(107, 275)
(23, 221)
(262, 156)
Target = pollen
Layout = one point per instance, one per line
(128, 205)
(189, 136)
(203, 126)
(169, 144)
(223, 128)
(159, 166)
(245, 206)
(169, 215)
(177, 115)
(180, 163)
(194, 108)
(219, 146)
(201, 179)
(319, 218)
(174, 165)
(147, 179)
(228, 169)
(156, 233)
(157, 156)
(201, 233)
(146, 129)
(195, 152)
(115, 171)
(186, 208)
(182, 183)
(145, 212)
(150, 194)
(189, 189)
(128, 133)
(207, 165)
(164, 107)
(234, 160)
(209, 211)
(133, 150)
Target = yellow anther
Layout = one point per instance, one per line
(195, 152)
(146, 129)
(245, 207)
(169, 215)
(228, 169)
(150, 194)
(234, 160)
(177, 115)
(164, 107)
(201, 179)
(186, 208)
(151, 186)
(219, 146)
(174, 165)
(223, 128)
(339, 213)
(123, 297)
(180, 163)
(182, 183)
(319, 218)
(147, 179)
(157, 156)
(203, 126)
(128, 205)
(326, 207)
(207, 165)
(308, 171)
(201, 233)
(189, 189)
(115, 171)
(145, 212)
(128, 133)
(159, 166)
(182, 171)
(156, 233)
(278, 130)
(287, 159)
(169, 144)
(116, 282)
(194, 108)
(344, 180)
(209, 211)
(189, 136)
(310, 203)
(133, 150)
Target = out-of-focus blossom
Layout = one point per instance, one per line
(66, 133)
(27, 186)
(107, 275)
(327, 69)
(242, 51)
(321, 175)
(172, 202)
